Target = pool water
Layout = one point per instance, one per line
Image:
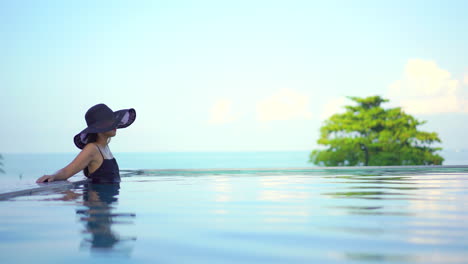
(246, 216)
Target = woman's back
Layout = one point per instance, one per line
(108, 171)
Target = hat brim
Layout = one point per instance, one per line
(122, 119)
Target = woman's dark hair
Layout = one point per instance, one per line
(92, 137)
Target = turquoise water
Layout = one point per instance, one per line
(23, 169)
(27, 166)
(273, 216)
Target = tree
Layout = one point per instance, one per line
(367, 134)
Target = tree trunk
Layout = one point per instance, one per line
(366, 154)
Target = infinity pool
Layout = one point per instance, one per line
(246, 216)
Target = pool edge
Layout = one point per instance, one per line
(53, 186)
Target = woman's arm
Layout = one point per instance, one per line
(79, 163)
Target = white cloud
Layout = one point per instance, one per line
(334, 106)
(221, 112)
(465, 78)
(426, 89)
(285, 104)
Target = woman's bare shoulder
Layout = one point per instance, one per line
(90, 149)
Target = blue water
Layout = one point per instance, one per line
(277, 216)
(24, 169)
(242, 216)
(27, 167)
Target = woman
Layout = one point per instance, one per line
(95, 159)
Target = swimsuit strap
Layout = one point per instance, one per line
(100, 151)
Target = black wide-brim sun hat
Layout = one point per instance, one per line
(100, 118)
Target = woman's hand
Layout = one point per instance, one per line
(79, 163)
(46, 178)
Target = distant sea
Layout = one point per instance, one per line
(28, 167)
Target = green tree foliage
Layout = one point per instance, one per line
(367, 134)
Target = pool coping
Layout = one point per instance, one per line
(43, 187)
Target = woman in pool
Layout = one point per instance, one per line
(95, 158)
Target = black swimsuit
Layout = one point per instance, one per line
(108, 172)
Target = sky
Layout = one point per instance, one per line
(226, 75)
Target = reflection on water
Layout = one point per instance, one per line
(222, 189)
(1, 164)
(99, 218)
(383, 216)
(269, 217)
